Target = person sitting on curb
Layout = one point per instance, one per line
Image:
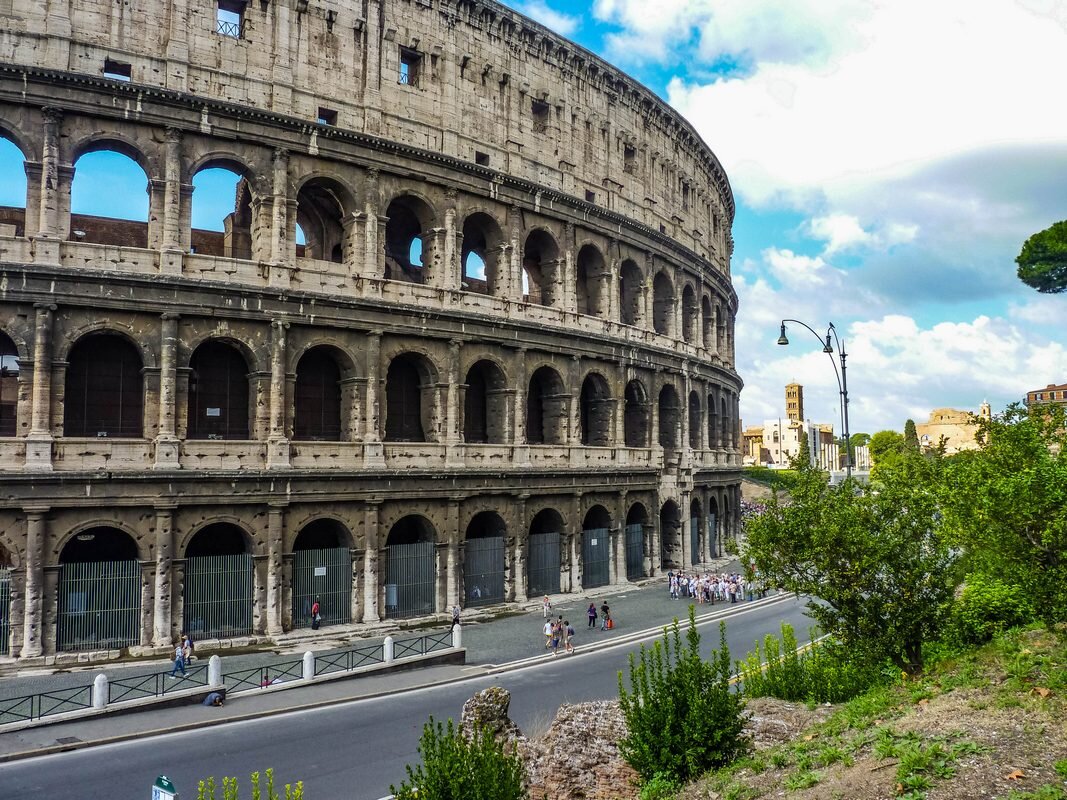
(213, 699)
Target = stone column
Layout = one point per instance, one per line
(686, 511)
(170, 262)
(648, 300)
(33, 619)
(618, 437)
(520, 538)
(164, 583)
(277, 443)
(612, 307)
(167, 444)
(574, 537)
(453, 412)
(39, 440)
(568, 287)
(453, 577)
(46, 245)
(451, 268)
(513, 289)
(275, 544)
(574, 407)
(370, 562)
(373, 452)
(283, 246)
(373, 263)
(522, 450)
(620, 550)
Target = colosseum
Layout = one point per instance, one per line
(465, 335)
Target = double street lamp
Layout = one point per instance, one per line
(842, 381)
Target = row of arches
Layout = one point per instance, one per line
(104, 396)
(423, 238)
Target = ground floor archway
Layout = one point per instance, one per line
(484, 560)
(410, 569)
(546, 535)
(99, 591)
(219, 589)
(322, 572)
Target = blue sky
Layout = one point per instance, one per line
(887, 160)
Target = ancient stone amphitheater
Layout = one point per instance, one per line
(465, 337)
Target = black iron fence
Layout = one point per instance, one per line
(36, 706)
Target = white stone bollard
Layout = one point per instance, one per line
(100, 691)
(309, 666)
(387, 650)
(214, 671)
(457, 635)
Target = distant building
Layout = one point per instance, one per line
(955, 428)
(794, 402)
(777, 442)
(1051, 394)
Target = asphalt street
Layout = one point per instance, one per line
(354, 749)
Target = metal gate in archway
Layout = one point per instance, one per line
(5, 611)
(218, 596)
(596, 557)
(483, 570)
(544, 564)
(324, 575)
(713, 540)
(410, 580)
(635, 551)
(694, 541)
(99, 605)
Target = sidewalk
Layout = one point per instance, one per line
(490, 643)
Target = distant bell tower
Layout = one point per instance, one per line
(794, 402)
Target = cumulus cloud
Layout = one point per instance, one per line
(563, 24)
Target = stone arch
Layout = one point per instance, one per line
(670, 418)
(547, 419)
(221, 535)
(590, 276)
(596, 409)
(322, 573)
(239, 227)
(724, 422)
(697, 538)
(9, 386)
(596, 547)
(410, 403)
(545, 542)
(218, 594)
(689, 313)
(13, 160)
(713, 421)
(712, 527)
(104, 387)
(410, 568)
(23, 142)
(707, 323)
(484, 559)
(122, 543)
(662, 303)
(696, 423)
(636, 414)
(670, 526)
(220, 394)
(631, 293)
(116, 142)
(540, 267)
(485, 407)
(321, 532)
(482, 258)
(87, 224)
(318, 395)
(637, 541)
(410, 220)
(322, 204)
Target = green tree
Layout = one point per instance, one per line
(885, 444)
(1043, 260)
(1005, 504)
(859, 439)
(803, 457)
(872, 558)
(911, 437)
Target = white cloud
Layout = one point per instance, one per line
(563, 24)
(839, 231)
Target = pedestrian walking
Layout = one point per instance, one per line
(605, 611)
(546, 606)
(187, 650)
(568, 636)
(548, 634)
(179, 661)
(557, 632)
(316, 615)
(455, 617)
(591, 613)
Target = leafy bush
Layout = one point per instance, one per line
(825, 672)
(454, 766)
(659, 788)
(681, 715)
(988, 606)
(206, 788)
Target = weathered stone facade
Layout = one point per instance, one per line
(163, 404)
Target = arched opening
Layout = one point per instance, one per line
(596, 548)
(696, 423)
(104, 394)
(9, 386)
(635, 416)
(99, 591)
(631, 283)
(485, 405)
(218, 393)
(596, 408)
(589, 285)
(720, 332)
(219, 587)
(707, 323)
(546, 536)
(405, 382)
(322, 571)
(546, 408)
(109, 197)
(482, 240)
(320, 213)
(221, 211)
(713, 422)
(689, 314)
(670, 526)
(662, 304)
(410, 569)
(317, 406)
(6, 563)
(714, 548)
(696, 551)
(724, 424)
(12, 188)
(540, 262)
(670, 421)
(484, 561)
(637, 555)
(410, 219)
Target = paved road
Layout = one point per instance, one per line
(353, 750)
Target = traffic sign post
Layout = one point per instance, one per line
(163, 789)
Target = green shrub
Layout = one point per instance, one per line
(988, 606)
(206, 788)
(660, 787)
(681, 715)
(454, 766)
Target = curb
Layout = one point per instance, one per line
(484, 670)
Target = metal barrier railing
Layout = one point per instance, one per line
(36, 706)
(421, 645)
(156, 684)
(348, 660)
(263, 676)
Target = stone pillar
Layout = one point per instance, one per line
(513, 289)
(451, 253)
(171, 258)
(522, 451)
(275, 544)
(453, 412)
(574, 543)
(373, 452)
(39, 440)
(370, 562)
(618, 437)
(164, 584)
(277, 443)
(612, 307)
(520, 539)
(46, 245)
(453, 576)
(574, 407)
(567, 282)
(373, 263)
(167, 444)
(620, 550)
(283, 244)
(686, 511)
(33, 619)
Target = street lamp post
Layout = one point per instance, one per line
(842, 379)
